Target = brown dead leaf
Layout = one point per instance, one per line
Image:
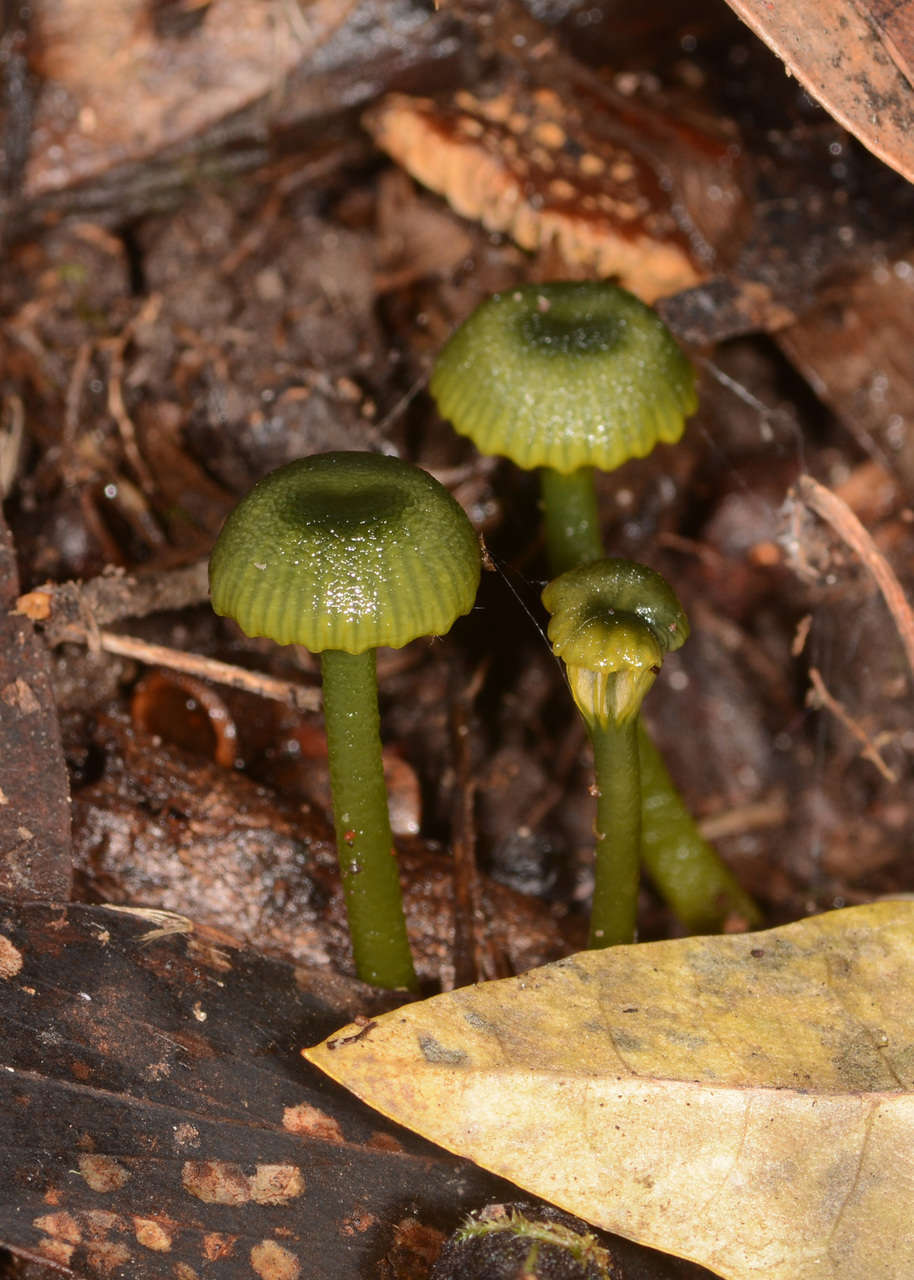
(856, 57)
(746, 1102)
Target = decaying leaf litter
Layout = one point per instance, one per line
(156, 362)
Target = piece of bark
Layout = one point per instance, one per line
(35, 859)
(159, 1121)
(118, 86)
(159, 827)
(132, 101)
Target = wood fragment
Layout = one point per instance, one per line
(167, 827)
(134, 91)
(111, 597)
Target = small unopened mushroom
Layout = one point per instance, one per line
(343, 552)
(612, 624)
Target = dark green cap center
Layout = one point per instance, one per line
(555, 332)
(340, 512)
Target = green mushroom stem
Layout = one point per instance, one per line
(571, 521)
(693, 879)
(368, 864)
(689, 874)
(617, 854)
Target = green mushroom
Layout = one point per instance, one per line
(344, 552)
(612, 624)
(568, 377)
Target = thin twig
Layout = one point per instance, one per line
(75, 613)
(801, 635)
(820, 696)
(197, 664)
(75, 387)
(262, 225)
(838, 514)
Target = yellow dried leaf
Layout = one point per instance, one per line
(744, 1101)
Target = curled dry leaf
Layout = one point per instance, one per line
(856, 57)
(745, 1102)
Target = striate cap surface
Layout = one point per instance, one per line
(346, 551)
(565, 375)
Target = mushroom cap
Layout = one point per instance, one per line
(613, 622)
(565, 375)
(346, 551)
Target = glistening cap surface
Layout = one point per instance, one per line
(346, 551)
(565, 375)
